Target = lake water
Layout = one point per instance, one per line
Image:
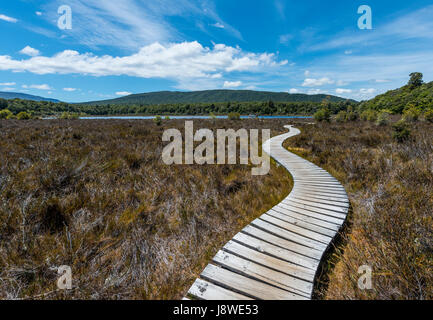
(188, 117)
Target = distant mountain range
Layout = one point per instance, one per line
(23, 96)
(211, 96)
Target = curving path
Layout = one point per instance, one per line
(277, 256)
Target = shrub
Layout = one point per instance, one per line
(157, 120)
(23, 116)
(369, 115)
(401, 131)
(411, 113)
(234, 116)
(322, 115)
(341, 116)
(428, 115)
(69, 116)
(5, 114)
(352, 116)
(167, 118)
(382, 118)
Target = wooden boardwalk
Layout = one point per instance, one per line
(276, 257)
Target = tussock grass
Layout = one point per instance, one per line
(96, 196)
(390, 188)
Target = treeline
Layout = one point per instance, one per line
(416, 94)
(45, 108)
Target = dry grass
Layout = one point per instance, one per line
(96, 196)
(390, 188)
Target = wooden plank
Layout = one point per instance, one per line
(342, 204)
(290, 236)
(302, 223)
(311, 220)
(258, 272)
(296, 229)
(309, 213)
(310, 207)
(205, 290)
(269, 261)
(304, 195)
(317, 204)
(283, 243)
(273, 250)
(246, 285)
(306, 192)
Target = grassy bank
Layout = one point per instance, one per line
(96, 196)
(390, 188)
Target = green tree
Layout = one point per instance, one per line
(341, 116)
(428, 115)
(323, 115)
(415, 80)
(5, 114)
(23, 116)
(382, 118)
(401, 131)
(157, 120)
(234, 116)
(412, 113)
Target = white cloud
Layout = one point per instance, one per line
(37, 86)
(348, 52)
(218, 25)
(171, 61)
(343, 91)
(130, 24)
(307, 73)
(382, 80)
(316, 91)
(293, 90)
(69, 89)
(38, 13)
(367, 91)
(123, 93)
(29, 51)
(317, 82)
(342, 83)
(7, 84)
(8, 19)
(8, 89)
(234, 84)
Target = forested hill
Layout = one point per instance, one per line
(214, 96)
(416, 93)
(23, 96)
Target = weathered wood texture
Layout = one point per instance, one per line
(277, 255)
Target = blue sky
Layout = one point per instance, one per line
(133, 46)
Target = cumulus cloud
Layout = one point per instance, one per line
(367, 91)
(69, 89)
(343, 91)
(316, 91)
(309, 82)
(172, 61)
(7, 84)
(29, 51)
(234, 84)
(293, 90)
(7, 18)
(38, 13)
(123, 93)
(37, 86)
